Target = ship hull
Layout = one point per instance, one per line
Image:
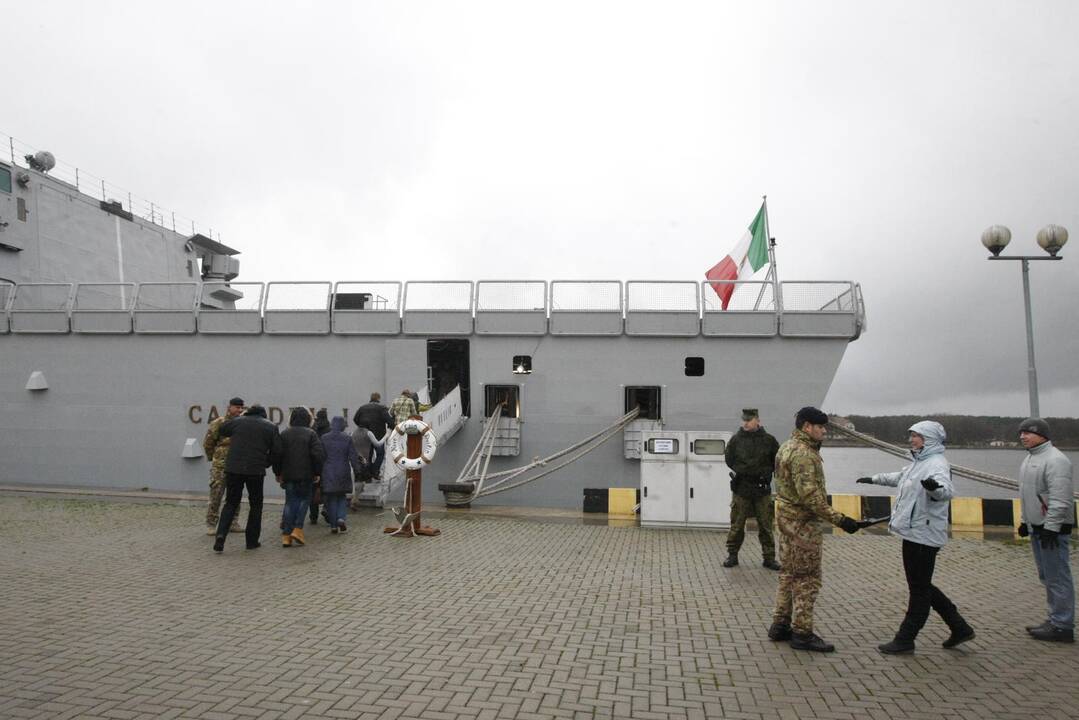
(118, 409)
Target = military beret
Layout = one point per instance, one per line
(810, 415)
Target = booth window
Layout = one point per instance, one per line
(647, 398)
(5, 180)
(694, 366)
(522, 364)
(508, 395)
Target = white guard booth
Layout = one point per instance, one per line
(684, 480)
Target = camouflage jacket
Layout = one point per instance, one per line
(800, 483)
(215, 446)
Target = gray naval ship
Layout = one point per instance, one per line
(122, 335)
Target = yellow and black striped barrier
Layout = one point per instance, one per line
(971, 514)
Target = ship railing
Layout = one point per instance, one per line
(820, 308)
(440, 307)
(586, 307)
(40, 308)
(103, 308)
(366, 308)
(739, 308)
(230, 308)
(297, 308)
(166, 308)
(663, 307)
(488, 307)
(102, 190)
(7, 291)
(511, 307)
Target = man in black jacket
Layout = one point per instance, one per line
(751, 454)
(297, 470)
(375, 417)
(255, 446)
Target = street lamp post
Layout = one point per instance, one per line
(1051, 238)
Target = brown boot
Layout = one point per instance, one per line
(297, 535)
(286, 540)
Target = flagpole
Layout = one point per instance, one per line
(777, 291)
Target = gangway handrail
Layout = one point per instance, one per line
(585, 446)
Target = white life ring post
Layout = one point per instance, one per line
(397, 444)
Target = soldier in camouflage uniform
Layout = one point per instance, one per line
(751, 454)
(802, 504)
(217, 449)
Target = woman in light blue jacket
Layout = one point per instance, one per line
(920, 517)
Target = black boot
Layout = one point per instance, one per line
(779, 632)
(898, 646)
(219, 543)
(960, 634)
(772, 565)
(1052, 633)
(731, 561)
(811, 642)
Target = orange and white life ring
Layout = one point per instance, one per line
(397, 444)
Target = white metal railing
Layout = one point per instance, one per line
(300, 296)
(663, 296)
(97, 297)
(706, 298)
(586, 296)
(438, 295)
(102, 189)
(739, 295)
(820, 296)
(378, 296)
(42, 297)
(511, 295)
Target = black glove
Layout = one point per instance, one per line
(865, 481)
(862, 524)
(930, 484)
(1050, 539)
(850, 524)
(1023, 530)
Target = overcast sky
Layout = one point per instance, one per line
(484, 140)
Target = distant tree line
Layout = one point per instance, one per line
(983, 430)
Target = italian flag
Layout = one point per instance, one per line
(747, 257)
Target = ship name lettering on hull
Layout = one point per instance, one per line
(197, 415)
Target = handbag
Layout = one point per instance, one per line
(316, 496)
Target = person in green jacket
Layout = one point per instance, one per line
(751, 456)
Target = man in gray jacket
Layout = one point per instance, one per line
(1047, 496)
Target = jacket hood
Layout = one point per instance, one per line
(300, 417)
(337, 424)
(934, 435)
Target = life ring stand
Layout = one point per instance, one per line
(396, 444)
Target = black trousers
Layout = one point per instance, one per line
(918, 563)
(234, 491)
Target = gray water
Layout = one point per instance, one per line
(844, 465)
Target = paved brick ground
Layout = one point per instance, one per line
(121, 610)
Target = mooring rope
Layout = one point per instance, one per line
(472, 473)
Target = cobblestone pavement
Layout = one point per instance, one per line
(121, 610)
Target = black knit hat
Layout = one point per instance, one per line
(1036, 426)
(237, 401)
(810, 415)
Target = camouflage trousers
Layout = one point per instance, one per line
(217, 495)
(800, 579)
(762, 508)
